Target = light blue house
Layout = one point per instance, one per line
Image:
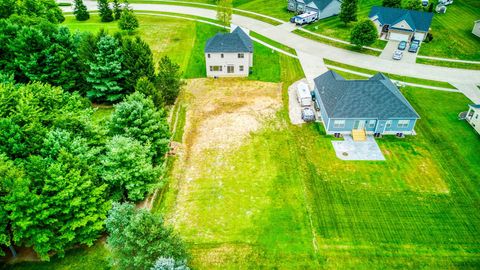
(374, 105)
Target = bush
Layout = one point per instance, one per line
(364, 33)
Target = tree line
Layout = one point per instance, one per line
(61, 171)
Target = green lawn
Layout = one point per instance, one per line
(452, 32)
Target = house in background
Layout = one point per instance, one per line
(476, 28)
(229, 54)
(473, 116)
(401, 24)
(356, 107)
(324, 8)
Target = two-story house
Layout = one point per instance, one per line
(229, 54)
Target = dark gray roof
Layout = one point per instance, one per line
(376, 97)
(321, 4)
(237, 41)
(416, 19)
(476, 106)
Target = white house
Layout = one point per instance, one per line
(401, 24)
(473, 116)
(476, 28)
(324, 8)
(229, 54)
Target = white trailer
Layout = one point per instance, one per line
(306, 18)
(304, 96)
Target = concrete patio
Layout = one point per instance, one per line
(351, 150)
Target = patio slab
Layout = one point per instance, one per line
(351, 150)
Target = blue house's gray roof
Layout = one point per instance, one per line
(476, 106)
(237, 41)
(321, 4)
(376, 98)
(416, 19)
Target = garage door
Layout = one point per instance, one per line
(419, 36)
(398, 36)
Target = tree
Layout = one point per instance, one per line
(348, 11)
(169, 80)
(224, 12)
(392, 3)
(128, 168)
(105, 11)
(163, 263)
(138, 238)
(147, 88)
(364, 33)
(138, 60)
(106, 71)
(412, 5)
(137, 118)
(7, 8)
(117, 10)
(80, 11)
(128, 20)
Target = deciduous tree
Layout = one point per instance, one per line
(364, 33)
(412, 4)
(392, 3)
(163, 263)
(224, 12)
(138, 238)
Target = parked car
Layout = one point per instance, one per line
(308, 115)
(402, 45)
(397, 55)
(414, 45)
(292, 19)
(424, 3)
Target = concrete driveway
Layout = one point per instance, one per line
(391, 46)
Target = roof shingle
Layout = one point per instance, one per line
(237, 41)
(416, 19)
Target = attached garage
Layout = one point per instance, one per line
(399, 36)
(419, 36)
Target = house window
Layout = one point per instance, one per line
(403, 123)
(388, 124)
(339, 123)
(371, 124)
(208, 55)
(241, 55)
(240, 68)
(215, 68)
(221, 55)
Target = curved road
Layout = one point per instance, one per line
(311, 53)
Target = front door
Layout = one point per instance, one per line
(359, 124)
(230, 69)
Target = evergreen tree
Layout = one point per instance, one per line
(348, 11)
(105, 11)
(136, 117)
(169, 80)
(117, 10)
(80, 11)
(106, 71)
(364, 33)
(147, 88)
(138, 60)
(128, 20)
(138, 238)
(392, 3)
(163, 263)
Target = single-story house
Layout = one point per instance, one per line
(401, 24)
(375, 106)
(476, 28)
(229, 54)
(324, 8)
(473, 116)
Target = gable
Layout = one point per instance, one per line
(402, 25)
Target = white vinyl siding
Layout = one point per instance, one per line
(339, 123)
